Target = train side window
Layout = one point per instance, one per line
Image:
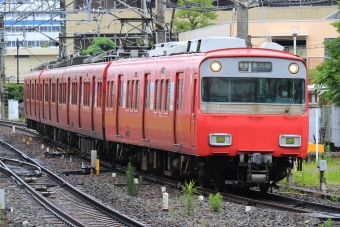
(133, 95)
(108, 95)
(167, 104)
(157, 95)
(112, 93)
(162, 96)
(86, 98)
(81, 97)
(46, 92)
(99, 95)
(147, 94)
(70, 95)
(180, 89)
(182, 94)
(60, 92)
(32, 91)
(53, 93)
(75, 93)
(128, 95)
(63, 93)
(137, 95)
(27, 91)
(85, 93)
(94, 95)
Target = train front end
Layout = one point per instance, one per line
(252, 122)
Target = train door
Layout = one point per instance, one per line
(178, 109)
(93, 106)
(193, 109)
(36, 98)
(146, 106)
(49, 99)
(30, 92)
(68, 100)
(40, 99)
(120, 100)
(57, 100)
(81, 94)
(43, 99)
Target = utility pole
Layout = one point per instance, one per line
(242, 19)
(144, 25)
(17, 61)
(2, 65)
(160, 33)
(62, 34)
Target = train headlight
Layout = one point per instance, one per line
(219, 139)
(215, 66)
(293, 68)
(290, 141)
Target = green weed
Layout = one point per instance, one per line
(188, 198)
(132, 187)
(328, 223)
(215, 202)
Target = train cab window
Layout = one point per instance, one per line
(252, 90)
(281, 90)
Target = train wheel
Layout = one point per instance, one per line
(202, 183)
(264, 188)
(220, 187)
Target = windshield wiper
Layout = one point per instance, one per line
(290, 101)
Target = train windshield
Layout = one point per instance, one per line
(252, 90)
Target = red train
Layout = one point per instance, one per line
(220, 112)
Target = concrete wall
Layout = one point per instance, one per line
(33, 58)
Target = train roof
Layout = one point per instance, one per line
(203, 45)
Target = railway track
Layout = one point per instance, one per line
(71, 206)
(255, 198)
(319, 211)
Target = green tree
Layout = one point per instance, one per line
(329, 70)
(99, 44)
(186, 20)
(15, 91)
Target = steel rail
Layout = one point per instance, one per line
(44, 202)
(107, 210)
